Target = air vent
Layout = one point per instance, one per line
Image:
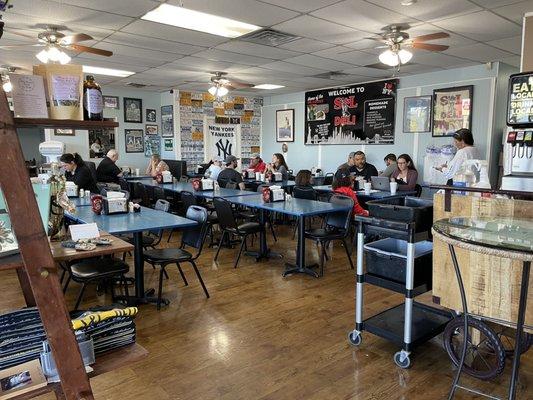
(269, 37)
(136, 85)
(331, 75)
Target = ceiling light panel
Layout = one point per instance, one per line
(87, 69)
(268, 86)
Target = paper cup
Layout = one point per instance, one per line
(262, 177)
(368, 187)
(137, 171)
(393, 187)
(258, 176)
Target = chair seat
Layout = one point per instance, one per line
(247, 215)
(167, 255)
(100, 267)
(324, 234)
(249, 228)
(147, 240)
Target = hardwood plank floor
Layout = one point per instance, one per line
(261, 336)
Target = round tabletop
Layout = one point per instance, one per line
(498, 236)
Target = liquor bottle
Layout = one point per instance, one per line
(93, 105)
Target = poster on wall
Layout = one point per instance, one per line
(167, 121)
(417, 114)
(356, 114)
(134, 140)
(222, 140)
(169, 144)
(452, 110)
(520, 100)
(152, 145)
(285, 125)
(101, 141)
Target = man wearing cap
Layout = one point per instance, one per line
(214, 169)
(349, 163)
(257, 164)
(229, 174)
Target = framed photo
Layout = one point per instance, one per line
(452, 110)
(152, 129)
(21, 379)
(134, 140)
(151, 115)
(64, 132)
(111, 102)
(101, 141)
(167, 121)
(285, 125)
(169, 144)
(152, 145)
(133, 110)
(417, 114)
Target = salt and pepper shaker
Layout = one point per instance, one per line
(82, 193)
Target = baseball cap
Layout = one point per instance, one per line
(230, 159)
(218, 158)
(255, 155)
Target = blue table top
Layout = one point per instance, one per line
(146, 220)
(295, 207)
(283, 184)
(208, 194)
(80, 201)
(380, 194)
(137, 177)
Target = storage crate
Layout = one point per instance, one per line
(387, 258)
(404, 209)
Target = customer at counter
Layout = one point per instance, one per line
(214, 168)
(348, 164)
(78, 172)
(107, 170)
(406, 174)
(362, 168)
(279, 165)
(229, 174)
(156, 165)
(257, 163)
(390, 162)
(343, 184)
(463, 140)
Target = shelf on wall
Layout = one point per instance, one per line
(62, 123)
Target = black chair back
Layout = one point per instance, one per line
(340, 220)
(92, 167)
(188, 199)
(139, 191)
(124, 185)
(226, 218)
(162, 205)
(418, 189)
(304, 192)
(159, 193)
(231, 185)
(176, 167)
(328, 178)
(195, 236)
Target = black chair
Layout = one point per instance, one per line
(254, 216)
(159, 194)
(192, 237)
(231, 185)
(418, 190)
(328, 178)
(336, 227)
(229, 226)
(97, 270)
(139, 194)
(303, 192)
(92, 167)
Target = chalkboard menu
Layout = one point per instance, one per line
(520, 100)
(356, 114)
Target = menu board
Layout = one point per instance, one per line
(356, 114)
(520, 100)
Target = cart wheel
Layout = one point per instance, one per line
(484, 360)
(402, 359)
(355, 338)
(507, 337)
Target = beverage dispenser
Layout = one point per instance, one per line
(518, 140)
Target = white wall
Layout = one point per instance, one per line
(30, 138)
(328, 157)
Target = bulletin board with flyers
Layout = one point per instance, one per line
(356, 114)
(196, 108)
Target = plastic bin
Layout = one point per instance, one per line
(387, 258)
(404, 209)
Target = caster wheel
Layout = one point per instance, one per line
(355, 338)
(402, 363)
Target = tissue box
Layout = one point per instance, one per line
(203, 184)
(273, 194)
(167, 177)
(71, 188)
(277, 177)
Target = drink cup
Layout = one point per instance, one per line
(393, 187)
(262, 177)
(137, 171)
(368, 187)
(258, 176)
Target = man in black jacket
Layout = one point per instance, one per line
(362, 168)
(107, 170)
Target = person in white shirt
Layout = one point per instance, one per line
(214, 169)
(464, 141)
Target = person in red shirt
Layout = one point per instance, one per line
(257, 164)
(343, 184)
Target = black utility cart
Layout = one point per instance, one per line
(399, 261)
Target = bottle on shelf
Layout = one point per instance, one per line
(93, 104)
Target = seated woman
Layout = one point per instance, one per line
(406, 174)
(78, 172)
(304, 178)
(279, 165)
(343, 184)
(156, 165)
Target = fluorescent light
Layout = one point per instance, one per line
(268, 86)
(106, 71)
(218, 91)
(199, 21)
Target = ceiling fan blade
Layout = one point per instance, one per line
(18, 46)
(240, 85)
(86, 49)
(376, 38)
(382, 47)
(21, 34)
(431, 36)
(430, 47)
(78, 37)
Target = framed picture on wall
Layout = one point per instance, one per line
(452, 110)
(134, 139)
(133, 110)
(152, 145)
(101, 141)
(167, 121)
(64, 132)
(285, 125)
(169, 144)
(417, 114)
(151, 115)
(111, 102)
(152, 129)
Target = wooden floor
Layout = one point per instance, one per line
(262, 336)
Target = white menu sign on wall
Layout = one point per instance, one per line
(29, 100)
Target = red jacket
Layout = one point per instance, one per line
(357, 209)
(260, 167)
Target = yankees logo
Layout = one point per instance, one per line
(224, 150)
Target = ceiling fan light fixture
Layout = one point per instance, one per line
(394, 58)
(218, 91)
(53, 54)
(405, 56)
(42, 56)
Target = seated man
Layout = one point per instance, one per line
(257, 164)
(362, 168)
(390, 162)
(214, 169)
(349, 164)
(229, 174)
(107, 170)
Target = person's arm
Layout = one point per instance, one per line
(357, 209)
(454, 165)
(412, 177)
(242, 186)
(388, 171)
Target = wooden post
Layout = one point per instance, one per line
(38, 261)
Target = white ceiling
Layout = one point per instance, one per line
(332, 35)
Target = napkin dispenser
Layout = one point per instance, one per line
(167, 176)
(273, 193)
(203, 184)
(277, 177)
(115, 203)
(71, 188)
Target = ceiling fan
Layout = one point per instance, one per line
(220, 86)
(396, 41)
(54, 42)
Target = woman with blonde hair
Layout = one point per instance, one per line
(156, 165)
